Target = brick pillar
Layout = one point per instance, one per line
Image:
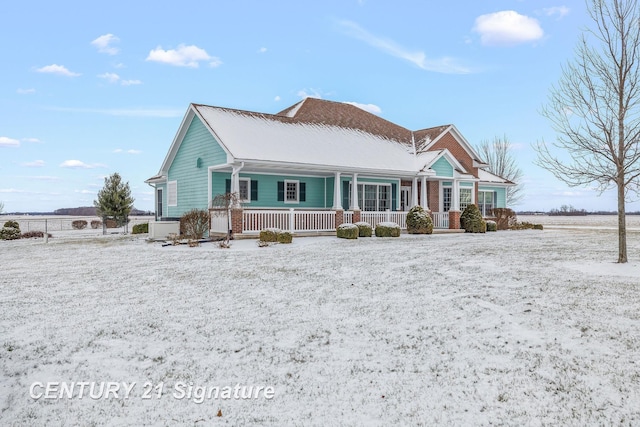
(356, 216)
(454, 220)
(339, 217)
(236, 221)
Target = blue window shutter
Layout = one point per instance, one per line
(303, 192)
(345, 195)
(227, 186)
(394, 196)
(281, 191)
(254, 189)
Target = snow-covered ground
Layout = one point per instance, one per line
(507, 328)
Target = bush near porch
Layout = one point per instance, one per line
(471, 220)
(419, 221)
(387, 229)
(347, 231)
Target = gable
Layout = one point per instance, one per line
(449, 142)
(442, 167)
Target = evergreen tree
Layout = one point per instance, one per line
(114, 201)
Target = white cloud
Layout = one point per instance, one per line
(57, 69)
(277, 98)
(110, 77)
(262, 50)
(34, 164)
(26, 91)
(77, 164)
(183, 56)
(85, 191)
(131, 151)
(372, 108)
(309, 93)
(130, 82)
(118, 150)
(560, 11)
(104, 44)
(8, 142)
(45, 178)
(34, 140)
(134, 151)
(507, 28)
(444, 65)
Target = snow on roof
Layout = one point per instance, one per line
(486, 176)
(273, 139)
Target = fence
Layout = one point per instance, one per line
(290, 220)
(374, 218)
(64, 223)
(440, 219)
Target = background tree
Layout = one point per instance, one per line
(114, 201)
(499, 155)
(221, 206)
(1, 207)
(595, 108)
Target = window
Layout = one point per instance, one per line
(245, 189)
(172, 193)
(446, 199)
(373, 197)
(486, 202)
(159, 203)
(291, 191)
(465, 197)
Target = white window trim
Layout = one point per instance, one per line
(172, 193)
(361, 201)
(460, 188)
(248, 181)
(159, 201)
(297, 183)
(493, 200)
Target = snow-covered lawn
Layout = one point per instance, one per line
(508, 328)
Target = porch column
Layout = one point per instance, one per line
(455, 195)
(337, 193)
(414, 192)
(423, 194)
(354, 193)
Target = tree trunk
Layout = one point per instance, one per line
(622, 225)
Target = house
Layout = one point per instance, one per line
(318, 164)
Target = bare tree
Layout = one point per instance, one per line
(222, 205)
(498, 154)
(1, 207)
(595, 108)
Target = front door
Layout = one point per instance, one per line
(405, 198)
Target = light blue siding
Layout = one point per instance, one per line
(191, 174)
(268, 190)
(442, 167)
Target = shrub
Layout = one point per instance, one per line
(285, 237)
(12, 224)
(33, 234)
(492, 225)
(96, 224)
(387, 229)
(364, 229)
(347, 231)
(79, 224)
(269, 235)
(526, 226)
(140, 228)
(471, 220)
(505, 218)
(195, 223)
(10, 231)
(419, 221)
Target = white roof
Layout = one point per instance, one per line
(260, 138)
(486, 176)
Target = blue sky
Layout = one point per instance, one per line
(89, 89)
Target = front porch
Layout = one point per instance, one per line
(251, 221)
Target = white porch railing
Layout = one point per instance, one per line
(288, 219)
(440, 219)
(301, 220)
(374, 218)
